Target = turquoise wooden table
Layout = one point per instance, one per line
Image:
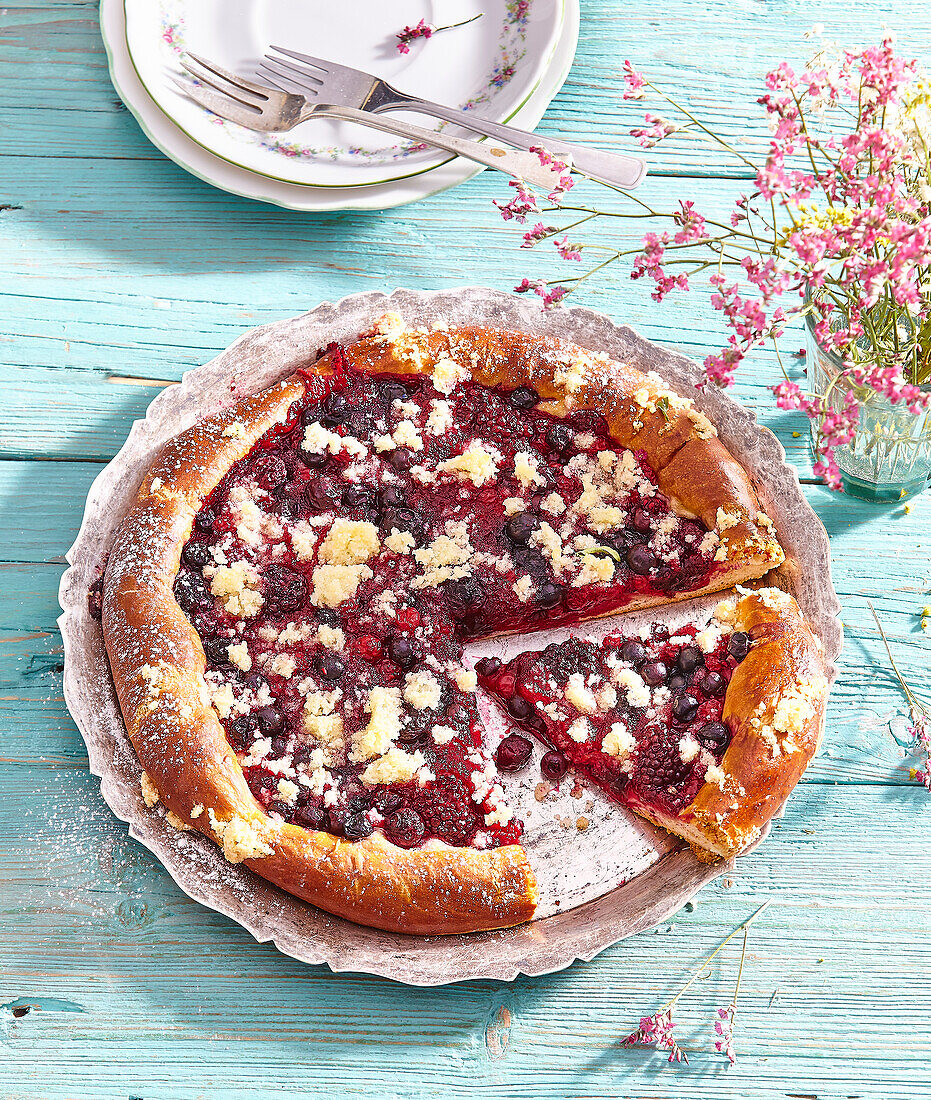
(119, 271)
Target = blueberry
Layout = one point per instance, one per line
(689, 659)
(520, 527)
(641, 560)
(405, 828)
(386, 802)
(405, 519)
(321, 494)
(196, 555)
(357, 496)
(216, 652)
(464, 594)
(712, 683)
(654, 673)
(285, 589)
(204, 520)
(335, 408)
(310, 415)
(330, 666)
(487, 666)
(550, 594)
(357, 797)
(524, 397)
(337, 816)
(327, 616)
(400, 651)
(401, 458)
(239, 731)
(713, 735)
(519, 708)
(559, 438)
(677, 682)
(390, 497)
(310, 816)
(357, 827)
(739, 645)
(642, 522)
(633, 651)
(392, 391)
(684, 707)
(269, 719)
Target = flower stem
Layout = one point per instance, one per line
(464, 23)
(913, 699)
(698, 973)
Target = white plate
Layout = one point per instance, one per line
(490, 65)
(199, 161)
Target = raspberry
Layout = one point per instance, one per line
(451, 820)
(659, 764)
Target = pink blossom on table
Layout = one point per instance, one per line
(531, 237)
(425, 31)
(634, 83)
(656, 1031)
(655, 130)
(724, 1029)
(523, 203)
(920, 733)
(568, 251)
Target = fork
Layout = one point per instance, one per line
(329, 82)
(260, 108)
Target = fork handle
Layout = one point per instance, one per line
(525, 165)
(615, 169)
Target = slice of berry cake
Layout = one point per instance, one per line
(683, 728)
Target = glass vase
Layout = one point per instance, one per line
(889, 458)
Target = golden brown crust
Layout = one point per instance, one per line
(158, 661)
(774, 708)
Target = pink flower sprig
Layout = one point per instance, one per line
(836, 230)
(919, 717)
(657, 1030)
(724, 1029)
(425, 31)
(550, 297)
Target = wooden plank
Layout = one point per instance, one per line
(842, 1013)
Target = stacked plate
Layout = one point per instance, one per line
(506, 65)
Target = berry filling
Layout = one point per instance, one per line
(640, 716)
(335, 572)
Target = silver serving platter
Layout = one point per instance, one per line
(617, 878)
